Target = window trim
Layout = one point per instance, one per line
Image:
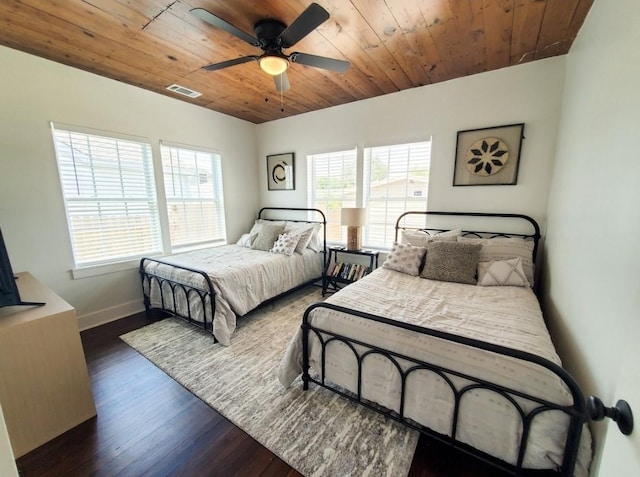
(168, 247)
(362, 196)
(96, 270)
(352, 149)
(82, 269)
(366, 184)
(132, 262)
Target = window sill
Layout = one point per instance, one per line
(95, 270)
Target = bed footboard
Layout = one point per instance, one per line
(171, 291)
(576, 411)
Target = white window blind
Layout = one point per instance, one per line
(109, 195)
(396, 180)
(331, 186)
(193, 187)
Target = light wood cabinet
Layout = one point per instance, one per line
(44, 384)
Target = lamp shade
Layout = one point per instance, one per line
(273, 64)
(353, 216)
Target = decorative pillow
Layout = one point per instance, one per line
(267, 235)
(304, 230)
(286, 244)
(451, 262)
(504, 248)
(246, 240)
(405, 258)
(502, 273)
(419, 238)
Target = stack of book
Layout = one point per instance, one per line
(348, 271)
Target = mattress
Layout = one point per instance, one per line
(505, 316)
(242, 279)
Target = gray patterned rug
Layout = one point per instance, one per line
(317, 432)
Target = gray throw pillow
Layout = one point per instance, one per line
(451, 262)
(267, 235)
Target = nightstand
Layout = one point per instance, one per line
(345, 272)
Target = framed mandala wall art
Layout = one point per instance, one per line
(488, 156)
(281, 172)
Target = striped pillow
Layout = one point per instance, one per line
(506, 249)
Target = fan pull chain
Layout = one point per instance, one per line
(281, 95)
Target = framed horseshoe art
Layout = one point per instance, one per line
(488, 156)
(281, 171)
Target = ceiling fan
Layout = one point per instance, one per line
(273, 36)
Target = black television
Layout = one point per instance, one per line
(9, 294)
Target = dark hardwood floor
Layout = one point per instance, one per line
(149, 425)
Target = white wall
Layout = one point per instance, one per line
(592, 279)
(34, 91)
(529, 93)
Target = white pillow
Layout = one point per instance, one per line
(405, 258)
(246, 240)
(316, 240)
(502, 273)
(449, 233)
(304, 230)
(286, 244)
(503, 248)
(419, 238)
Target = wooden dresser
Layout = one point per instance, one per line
(44, 383)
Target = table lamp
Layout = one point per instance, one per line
(354, 218)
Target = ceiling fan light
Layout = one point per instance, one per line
(273, 65)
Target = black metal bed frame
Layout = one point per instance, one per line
(166, 285)
(576, 412)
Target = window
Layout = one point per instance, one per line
(331, 186)
(387, 180)
(193, 187)
(109, 195)
(114, 212)
(396, 179)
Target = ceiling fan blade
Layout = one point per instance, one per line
(282, 82)
(320, 62)
(217, 22)
(308, 21)
(226, 64)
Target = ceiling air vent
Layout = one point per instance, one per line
(176, 88)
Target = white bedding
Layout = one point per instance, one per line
(507, 316)
(241, 277)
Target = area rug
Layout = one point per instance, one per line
(317, 432)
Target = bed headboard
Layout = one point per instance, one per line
(523, 226)
(293, 214)
(298, 214)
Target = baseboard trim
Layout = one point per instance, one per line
(108, 315)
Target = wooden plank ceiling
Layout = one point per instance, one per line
(392, 45)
